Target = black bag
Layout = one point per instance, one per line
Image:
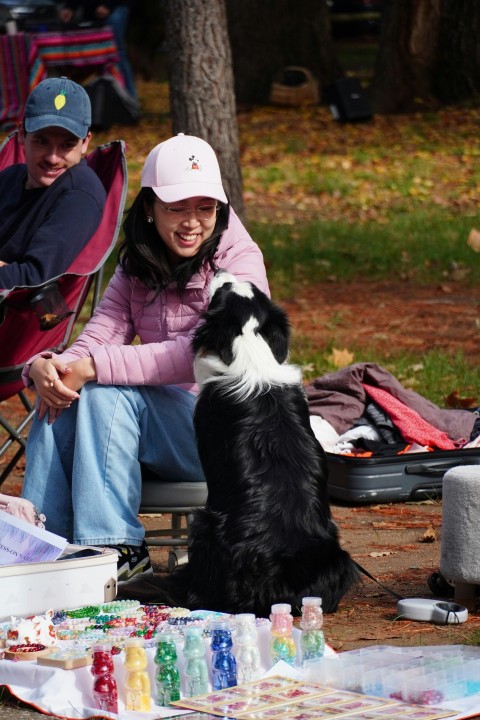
(348, 102)
(111, 104)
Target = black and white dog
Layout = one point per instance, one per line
(266, 534)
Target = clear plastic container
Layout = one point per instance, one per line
(312, 639)
(246, 648)
(137, 679)
(196, 668)
(167, 677)
(282, 644)
(105, 691)
(224, 665)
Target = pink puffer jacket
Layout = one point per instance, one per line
(164, 325)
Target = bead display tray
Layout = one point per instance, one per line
(57, 659)
(428, 676)
(26, 656)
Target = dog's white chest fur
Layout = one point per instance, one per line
(253, 370)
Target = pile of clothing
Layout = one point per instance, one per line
(363, 410)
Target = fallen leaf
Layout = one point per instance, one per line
(474, 240)
(341, 358)
(453, 400)
(308, 368)
(429, 536)
(460, 273)
(417, 367)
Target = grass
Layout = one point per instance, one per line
(431, 374)
(423, 247)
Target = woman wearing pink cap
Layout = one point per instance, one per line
(136, 401)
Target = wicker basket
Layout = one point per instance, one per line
(294, 86)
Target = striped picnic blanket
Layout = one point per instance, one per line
(25, 59)
(14, 77)
(81, 48)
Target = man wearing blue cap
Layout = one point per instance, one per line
(52, 205)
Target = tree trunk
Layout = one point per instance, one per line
(267, 35)
(200, 73)
(458, 67)
(406, 61)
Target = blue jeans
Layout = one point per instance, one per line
(118, 21)
(84, 471)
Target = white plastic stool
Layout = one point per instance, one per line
(460, 543)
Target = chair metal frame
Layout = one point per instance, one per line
(175, 498)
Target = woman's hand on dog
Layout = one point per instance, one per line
(57, 384)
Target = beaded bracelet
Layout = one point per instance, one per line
(84, 612)
(27, 647)
(118, 607)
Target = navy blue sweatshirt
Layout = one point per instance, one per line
(43, 230)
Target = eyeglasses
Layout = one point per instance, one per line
(182, 212)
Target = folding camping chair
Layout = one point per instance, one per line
(22, 332)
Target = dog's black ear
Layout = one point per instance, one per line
(276, 332)
(214, 337)
(218, 331)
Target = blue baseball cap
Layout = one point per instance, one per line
(58, 102)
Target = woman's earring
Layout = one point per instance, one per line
(149, 219)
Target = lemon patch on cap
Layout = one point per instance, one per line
(60, 101)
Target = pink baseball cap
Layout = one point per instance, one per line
(182, 167)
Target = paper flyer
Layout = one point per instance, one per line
(22, 542)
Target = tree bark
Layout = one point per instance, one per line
(458, 66)
(202, 96)
(268, 35)
(407, 57)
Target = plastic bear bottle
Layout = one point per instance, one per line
(282, 644)
(167, 676)
(196, 668)
(224, 666)
(247, 652)
(105, 689)
(137, 680)
(312, 640)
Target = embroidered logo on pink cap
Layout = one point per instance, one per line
(195, 164)
(182, 167)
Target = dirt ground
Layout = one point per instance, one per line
(387, 540)
(365, 316)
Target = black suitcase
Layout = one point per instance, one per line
(396, 478)
(111, 104)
